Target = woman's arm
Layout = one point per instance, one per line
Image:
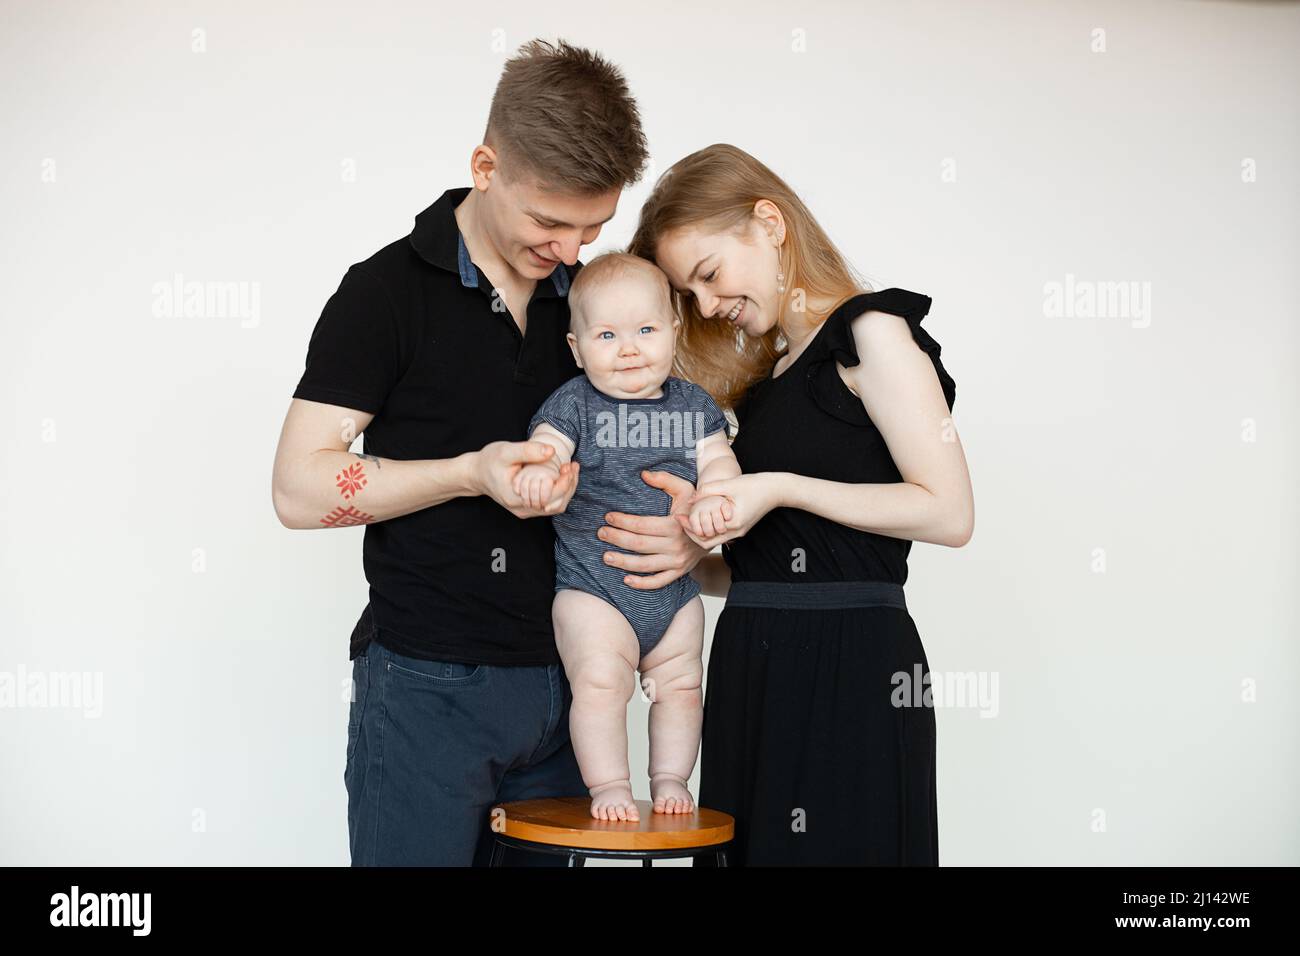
(713, 575)
(898, 510)
(900, 391)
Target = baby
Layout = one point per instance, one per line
(626, 415)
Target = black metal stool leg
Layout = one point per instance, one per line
(575, 856)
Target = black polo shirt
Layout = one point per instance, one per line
(412, 337)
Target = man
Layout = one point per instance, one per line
(439, 348)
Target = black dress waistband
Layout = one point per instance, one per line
(815, 595)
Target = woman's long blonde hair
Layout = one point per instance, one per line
(715, 189)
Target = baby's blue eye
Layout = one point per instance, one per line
(650, 327)
(605, 333)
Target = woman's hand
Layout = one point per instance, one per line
(751, 496)
(665, 551)
(709, 517)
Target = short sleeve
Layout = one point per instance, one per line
(836, 342)
(353, 358)
(699, 400)
(563, 409)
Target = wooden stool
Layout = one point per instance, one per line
(565, 826)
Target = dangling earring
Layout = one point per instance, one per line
(780, 276)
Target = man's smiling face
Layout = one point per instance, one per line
(535, 229)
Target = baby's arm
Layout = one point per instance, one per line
(534, 482)
(715, 461)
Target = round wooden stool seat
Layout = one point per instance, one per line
(565, 825)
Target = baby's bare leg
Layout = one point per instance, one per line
(599, 650)
(670, 676)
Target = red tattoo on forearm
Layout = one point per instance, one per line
(351, 479)
(345, 517)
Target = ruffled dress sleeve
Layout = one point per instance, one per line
(835, 343)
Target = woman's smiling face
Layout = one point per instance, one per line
(732, 277)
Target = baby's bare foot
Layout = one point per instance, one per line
(613, 801)
(669, 793)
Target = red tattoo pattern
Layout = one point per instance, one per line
(351, 479)
(346, 517)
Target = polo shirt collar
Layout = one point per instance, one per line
(437, 239)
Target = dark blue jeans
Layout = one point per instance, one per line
(433, 745)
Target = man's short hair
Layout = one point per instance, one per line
(564, 116)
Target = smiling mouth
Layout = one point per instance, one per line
(736, 310)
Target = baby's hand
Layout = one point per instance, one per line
(535, 482)
(709, 516)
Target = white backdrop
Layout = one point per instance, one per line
(1126, 603)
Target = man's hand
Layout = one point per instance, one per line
(665, 551)
(494, 467)
(535, 483)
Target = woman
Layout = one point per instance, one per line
(819, 729)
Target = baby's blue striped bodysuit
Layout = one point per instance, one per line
(616, 439)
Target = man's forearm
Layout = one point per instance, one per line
(339, 489)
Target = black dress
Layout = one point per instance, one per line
(803, 740)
